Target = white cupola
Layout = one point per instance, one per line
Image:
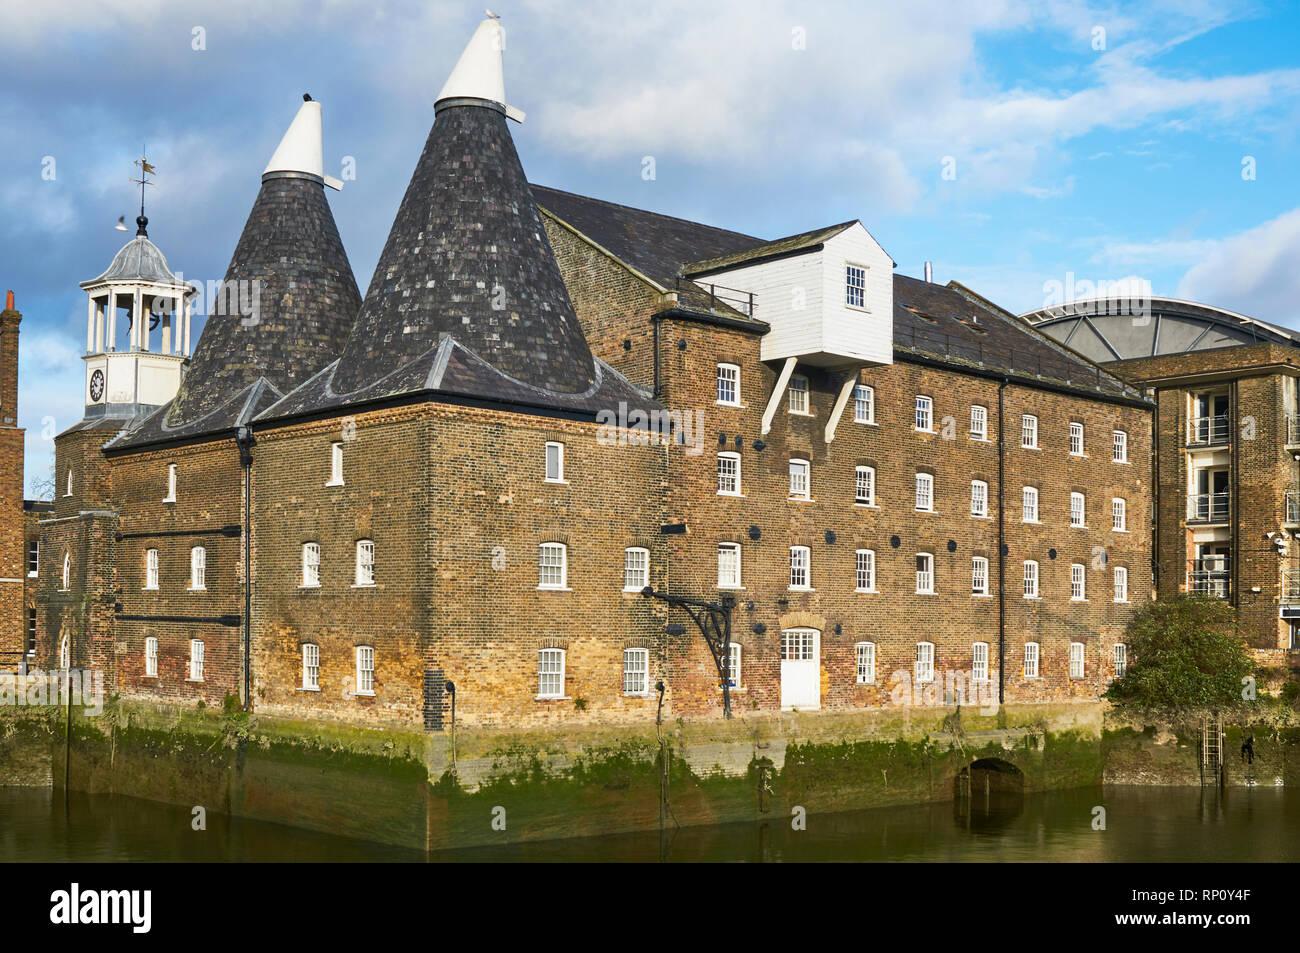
(129, 368)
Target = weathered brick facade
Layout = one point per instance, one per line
(12, 545)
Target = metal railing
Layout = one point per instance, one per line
(1208, 507)
(1209, 576)
(1291, 586)
(1207, 431)
(742, 301)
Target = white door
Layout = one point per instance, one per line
(801, 677)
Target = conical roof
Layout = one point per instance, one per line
(137, 260)
(468, 257)
(291, 297)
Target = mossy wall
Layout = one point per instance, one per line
(483, 787)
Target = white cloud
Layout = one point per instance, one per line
(1256, 272)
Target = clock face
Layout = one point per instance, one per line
(96, 385)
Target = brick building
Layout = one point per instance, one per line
(546, 403)
(12, 545)
(1227, 485)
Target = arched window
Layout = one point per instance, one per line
(636, 569)
(198, 567)
(67, 571)
(310, 565)
(864, 486)
(552, 566)
(365, 562)
(866, 662)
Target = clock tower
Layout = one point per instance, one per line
(137, 332)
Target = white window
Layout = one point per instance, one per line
(979, 576)
(925, 661)
(1121, 659)
(636, 569)
(1077, 590)
(800, 577)
(924, 573)
(1029, 505)
(365, 670)
(171, 484)
(67, 487)
(728, 565)
(196, 660)
(1076, 660)
(365, 562)
(924, 413)
(729, 384)
(799, 483)
(866, 657)
(855, 286)
(1119, 515)
(150, 569)
(1121, 584)
(151, 657)
(553, 566)
(979, 665)
(550, 673)
(864, 404)
(979, 498)
(1029, 431)
(1031, 579)
(554, 462)
(865, 568)
(1077, 509)
(979, 422)
(798, 394)
(1076, 439)
(925, 492)
(729, 474)
(198, 567)
(33, 557)
(864, 486)
(311, 667)
(1120, 454)
(336, 464)
(636, 671)
(733, 665)
(1031, 660)
(67, 570)
(310, 565)
(65, 653)
(31, 630)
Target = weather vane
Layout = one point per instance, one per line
(146, 170)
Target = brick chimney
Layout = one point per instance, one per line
(9, 320)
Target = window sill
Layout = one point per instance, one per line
(1120, 461)
(928, 592)
(1033, 598)
(557, 482)
(364, 694)
(304, 688)
(919, 510)
(331, 483)
(734, 496)
(150, 677)
(364, 585)
(1121, 602)
(1119, 531)
(733, 689)
(866, 591)
(1078, 526)
(169, 499)
(310, 585)
(142, 589)
(981, 595)
(1073, 599)
(638, 695)
(1079, 456)
(729, 403)
(866, 423)
(1023, 447)
(980, 440)
(633, 590)
(800, 589)
(980, 516)
(1031, 522)
(194, 681)
(924, 430)
(801, 413)
(196, 588)
(553, 698)
(867, 506)
(554, 589)
(31, 575)
(800, 499)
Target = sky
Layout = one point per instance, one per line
(1016, 145)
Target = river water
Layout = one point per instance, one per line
(1140, 824)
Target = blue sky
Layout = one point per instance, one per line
(1103, 140)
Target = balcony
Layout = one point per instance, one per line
(1209, 576)
(1207, 431)
(1208, 508)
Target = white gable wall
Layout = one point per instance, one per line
(863, 334)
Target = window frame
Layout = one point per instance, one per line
(870, 473)
(1078, 582)
(806, 567)
(558, 446)
(1119, 659)
(728, 546)
(336, 464)
(983, 511)
(364, 547)
(928, 572)
(1028, 577)
(310, 652)
(198, 568)
(730, 456)
(1118, 515)
(1083, 510)
(1025, 493)
(1029, 431)
(925, 410)
(633, 654)
(976, 662)
(151, 656)
(171, 484)
(849, 287)
(66, 578)
(152, 573)
(362, 654)
(563, 550)
(865, 668)
(1119, 446)
(923, 670)
(869, 569)
(982, 432)
(1081, 660)
(556, 658)
(926, 480)
(628, 553)
(1076, 429)
(734, 658)
(1037, 654)
(1119, 584)
(976, 563)
(807, 479)
(859, 399)
(33, 557)
(312, 582)
(196, 668)
(799, 385)
(734, 381)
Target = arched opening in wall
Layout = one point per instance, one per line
(988, 794)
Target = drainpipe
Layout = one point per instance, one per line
(1002, 558)
(1234, 568)
(244, 440)
(655, 320)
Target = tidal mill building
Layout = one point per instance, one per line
(570, 460)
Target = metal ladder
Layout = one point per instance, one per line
(1212, 751)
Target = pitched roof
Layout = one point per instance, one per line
(804, 241)
(468, 258)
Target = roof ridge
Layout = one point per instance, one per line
(645, 211)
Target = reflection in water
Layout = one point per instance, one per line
(1143, 824)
